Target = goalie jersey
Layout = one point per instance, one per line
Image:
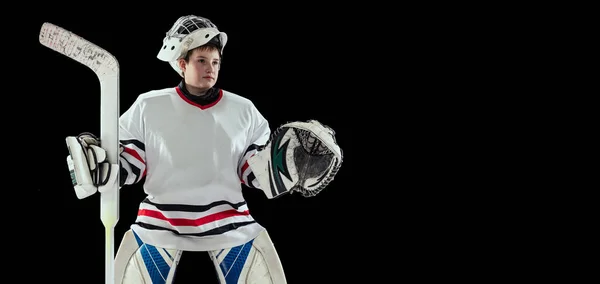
(193, 156)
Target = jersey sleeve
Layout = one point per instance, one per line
(259, 136)
(132, 158)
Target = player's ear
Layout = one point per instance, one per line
(182, 64)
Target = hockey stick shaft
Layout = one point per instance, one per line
(106, 67)
(109, 199)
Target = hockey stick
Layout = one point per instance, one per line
(106, 67)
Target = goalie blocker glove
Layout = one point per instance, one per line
(300, 156)
(89, 169)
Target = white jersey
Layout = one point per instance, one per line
(193, 158)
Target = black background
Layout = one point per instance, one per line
(294, 64)
(437, 185)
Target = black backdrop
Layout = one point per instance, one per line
(427, 189)
(293, 67)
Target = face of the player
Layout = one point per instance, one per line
(201, 71)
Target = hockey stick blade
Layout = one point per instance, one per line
(106, 67)
(79, 49)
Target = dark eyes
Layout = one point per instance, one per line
(203, 61)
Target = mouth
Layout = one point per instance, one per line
(208, 77)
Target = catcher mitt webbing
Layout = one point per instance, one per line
(299, 156)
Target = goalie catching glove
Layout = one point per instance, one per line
(299, 156)
(89, 169)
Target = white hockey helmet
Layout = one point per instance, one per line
(187, 33)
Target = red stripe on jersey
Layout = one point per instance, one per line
(244, 167)
(134, 154)
(192, 222)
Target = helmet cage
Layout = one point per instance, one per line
(186, 34)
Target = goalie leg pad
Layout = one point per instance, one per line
(299, 156)
(256, 261)
(137, 262)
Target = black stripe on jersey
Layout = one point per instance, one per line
(134, 169)
(215, 231)
(254, 147)
(250, 179)
(135, 142)
(123, 174)
(193, 208)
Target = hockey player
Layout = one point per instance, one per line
(194, 144)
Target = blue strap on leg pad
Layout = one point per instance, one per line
(256, 261)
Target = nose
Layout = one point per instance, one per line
(210, 68)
